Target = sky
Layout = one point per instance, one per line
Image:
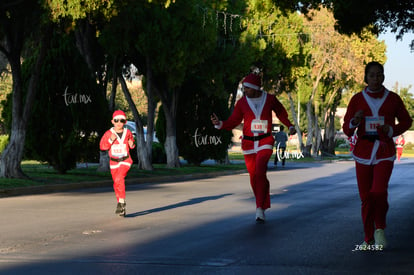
(400, 61)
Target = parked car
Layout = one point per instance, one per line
(158, 153)
(131, 126)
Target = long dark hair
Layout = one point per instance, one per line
(370, 65)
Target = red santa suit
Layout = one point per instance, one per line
(400, 146)
(374, 151)
(120, 159)
(257, 141)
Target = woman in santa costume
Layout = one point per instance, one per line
(255, 108)
(373, 113)
(400, 146)
(118, 140)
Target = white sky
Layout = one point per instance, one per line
(400, 61)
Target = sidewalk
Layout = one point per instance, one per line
(63, 187)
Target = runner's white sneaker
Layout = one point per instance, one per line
(380, 240)
(260, 216)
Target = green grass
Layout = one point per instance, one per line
(41, 174)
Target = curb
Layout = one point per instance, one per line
(65, 187)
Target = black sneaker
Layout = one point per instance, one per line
(122, 211)
(118, 208)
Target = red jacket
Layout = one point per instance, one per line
(245, 110)
(372, 146)
(118, 150)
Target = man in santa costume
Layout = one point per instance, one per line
(373, 114)
(255, 108)
(117, 141)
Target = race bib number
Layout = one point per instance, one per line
(259, 126)
(119, 150)
(371, 124)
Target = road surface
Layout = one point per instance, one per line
(207, 227)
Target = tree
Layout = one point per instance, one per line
(212, 86)
(197, 140)
(353, 16)
(336, 63)
(68, 106)
(172, 41)
(281, 47)
(104, 33)
(20, 24)
(407, 98)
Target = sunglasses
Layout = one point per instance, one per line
(119, 120)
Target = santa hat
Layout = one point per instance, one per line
(119, 114)
(252, 81)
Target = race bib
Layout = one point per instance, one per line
(371, 124)
(119, 150)
(259, 126)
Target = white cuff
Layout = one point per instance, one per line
(219, 125)
(352, 126)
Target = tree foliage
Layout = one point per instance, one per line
(336, 64)
(354, 16)
(192, 55)
(24, 31)
(68, 111)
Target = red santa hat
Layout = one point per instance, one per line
(119, 115)
(252, 81)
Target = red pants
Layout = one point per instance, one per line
(256, 165)
(399, 153)
(118, 176)
(373, 191)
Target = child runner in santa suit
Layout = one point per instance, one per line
(373, 113)
(118, 140)
(255, 108)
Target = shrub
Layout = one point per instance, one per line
(4, 140)
(409, 146)
(158, 153)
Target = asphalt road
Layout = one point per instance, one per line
(207, 227)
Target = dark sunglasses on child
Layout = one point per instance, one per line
(119, 120)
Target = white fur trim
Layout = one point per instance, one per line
(119, 164)
(219, 125)
(250, 85)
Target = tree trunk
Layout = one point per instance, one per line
(309, 139)
(142, 152)
(152, 105)
(103, 161)
(328, 145)
(295, 119)
(330, 131)
(103, 155)
(10, 159)
(171, 149)
(91, 51)
(317, 139)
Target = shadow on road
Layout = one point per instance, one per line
(176, 205)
